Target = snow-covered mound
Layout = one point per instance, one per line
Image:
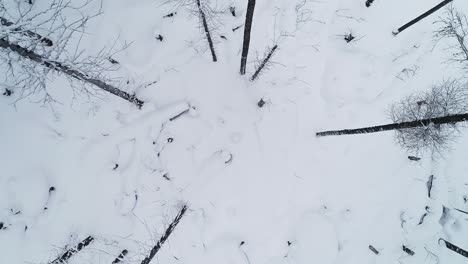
(260, 187)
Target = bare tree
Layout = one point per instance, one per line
(247, 30)
(166, 235)
(425, 121)
(203, 19)
(445, 99)
(39, 44)
(454, 26)
(264, 63)
(208, 18)
(72, 251)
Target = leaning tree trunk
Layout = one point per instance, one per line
(419, 18)
(455, 248)
(165, 236)
(247, 29)
(74, 73)
(72, 251)
(207, 31)
(264, 62)
(29, 33)
(412, 124)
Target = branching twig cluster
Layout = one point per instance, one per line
(208, 18)
(454, 26)
(54, 34)
(304, 13)
(264, 63)
(447, 98)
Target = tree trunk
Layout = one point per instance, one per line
(207, 31)
(74, 73)
(247, 29)
(419, 18)
(72, 251)
(165, 236)
(455, 248)
(28, 33)
(120, 257)
(429, 185)
(263, 63)
(412, 124)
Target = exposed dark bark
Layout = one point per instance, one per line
(72, 251)
(7, 92)
(369, 3)
(165, 236)
(421, 220)
(207, 31)
(461, 211)
(372, 248)
(407, 250)
(170, 15)
(232, 9)
(247, 30)
(179, 114)
(74, 73)
(28, 33)
(349, 37)
(419, 18)
(429, 185)
(455, 249)
(451, 119)
(236, 28)
(120, 257)
(264, 63)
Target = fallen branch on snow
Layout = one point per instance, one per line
(165, 236)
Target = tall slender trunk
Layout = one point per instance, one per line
(412, 124)
(207, 31)
(247, 30)
(165, 236)
(419, 18)
(74, 73)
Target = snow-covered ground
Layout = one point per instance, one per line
(261, 188)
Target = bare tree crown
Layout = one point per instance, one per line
(445, 99)
(52, 31)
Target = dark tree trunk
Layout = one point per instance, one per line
(263, 63)
(247, 29)
(74, 73)
(429, 185)
(28, 33)
(72, 251)
(207, 31)
(372, 248)
(455, 248)
(419, 18)
(369, 3)
(120, 257)
(412, 124)
(165, 236)
(407, 250)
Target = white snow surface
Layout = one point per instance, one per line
(248, 174)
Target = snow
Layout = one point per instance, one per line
(254, 178)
